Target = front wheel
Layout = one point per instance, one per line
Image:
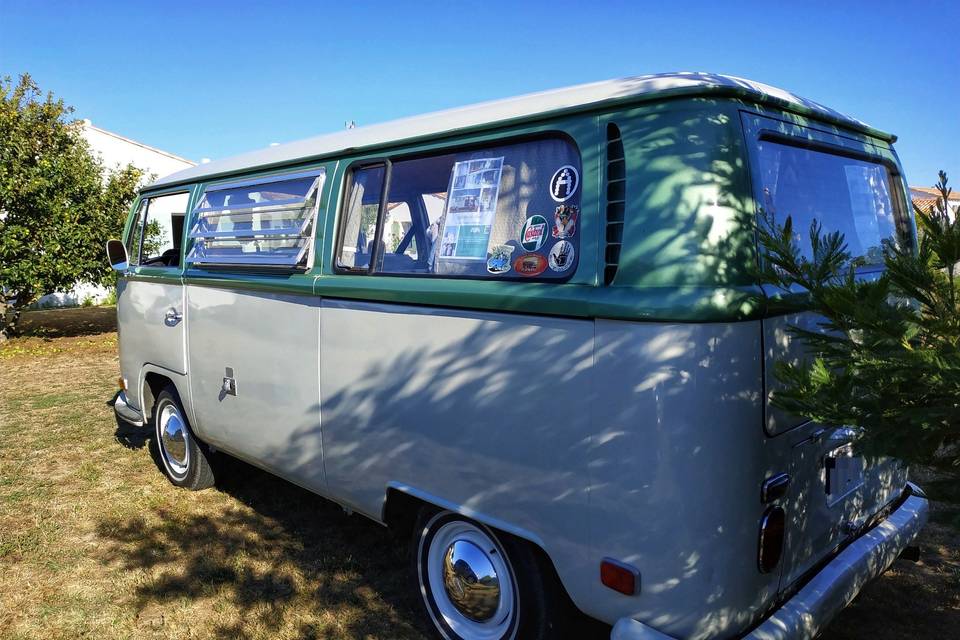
(184, 458)
(478, 585)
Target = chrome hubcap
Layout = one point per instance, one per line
(173, 439)
(471, 581)
(469, 577)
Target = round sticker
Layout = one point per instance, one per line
(530, 264)
(561, 256)
(534, 233)
(499, 260)
(564, 183)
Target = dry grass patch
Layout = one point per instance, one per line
(94, 542)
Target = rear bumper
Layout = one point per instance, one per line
(125, 412)
(808, 612)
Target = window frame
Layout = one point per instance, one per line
(136, 221)
(146, 198)
(234, 182)
(349, 171)
(388, 160)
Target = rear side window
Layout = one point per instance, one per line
(266, 222)
(843, 194)
(508, 212)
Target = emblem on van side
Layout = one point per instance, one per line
(534, 233)
(561, 256)
(565, 221)
(499, 260)
(564, 183)
(530, 264)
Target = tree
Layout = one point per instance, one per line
(887, 359)
(57, 207)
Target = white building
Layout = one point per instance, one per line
(115, 152)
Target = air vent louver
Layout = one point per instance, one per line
(616, 199)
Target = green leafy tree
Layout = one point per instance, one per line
(56, 204)
(887, 358)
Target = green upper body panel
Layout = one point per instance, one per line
(689, 248)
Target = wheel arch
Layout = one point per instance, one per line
(153, 380)
(402, 499)
(402, 502)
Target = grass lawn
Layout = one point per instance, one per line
(94, 542)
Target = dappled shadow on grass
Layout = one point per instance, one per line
(291, 565)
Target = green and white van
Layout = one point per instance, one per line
(528, 333)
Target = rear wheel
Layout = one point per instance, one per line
(480, 585)
(184, 458)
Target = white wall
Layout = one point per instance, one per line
(116, 151)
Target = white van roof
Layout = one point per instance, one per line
(502, 112)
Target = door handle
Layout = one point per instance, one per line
(172, 318)
(813, 438)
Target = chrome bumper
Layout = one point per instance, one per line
(806, 614)
(125, 412)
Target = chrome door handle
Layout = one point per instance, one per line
(813, 438)
(172, 317)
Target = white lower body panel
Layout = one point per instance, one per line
(833, 588)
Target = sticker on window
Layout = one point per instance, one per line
(565, 221)
(530, 265)
(561, 256)
(499, 260)
(533, 233)
(564, 183)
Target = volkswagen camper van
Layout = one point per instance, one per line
(528, 336)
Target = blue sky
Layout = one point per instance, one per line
(213, 79)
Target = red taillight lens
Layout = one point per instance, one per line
(619, 577)
(772, 529)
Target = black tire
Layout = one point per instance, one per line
(186, 460)
(540, 607)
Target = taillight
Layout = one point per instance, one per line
(620, 577)
(772, 529)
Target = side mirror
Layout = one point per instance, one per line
(117, 255)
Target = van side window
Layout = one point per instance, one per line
(265, 222)
(508, 212)
(844, 194)
(158, 231)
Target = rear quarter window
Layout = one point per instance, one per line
(849, 195)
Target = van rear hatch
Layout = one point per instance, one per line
(849, 184)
